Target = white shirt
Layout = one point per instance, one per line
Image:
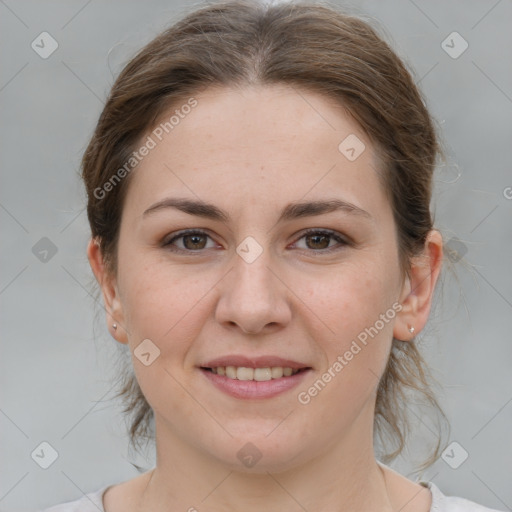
(93, 502)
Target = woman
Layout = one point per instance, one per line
(258, 188)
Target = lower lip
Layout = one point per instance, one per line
(254, 389)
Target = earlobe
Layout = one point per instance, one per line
(406, 318)
(418, 289)
(113, 306)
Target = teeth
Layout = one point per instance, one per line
(244, 373)
(257, 374)
(261, 374)
(277, 372)
(230, 372)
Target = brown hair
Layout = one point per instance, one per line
(309, 45)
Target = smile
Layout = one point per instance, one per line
(257, 374)
(243, 382)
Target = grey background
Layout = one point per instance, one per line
(56, 373)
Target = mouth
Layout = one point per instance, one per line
(246, 378)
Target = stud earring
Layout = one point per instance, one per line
(411, 329)
(114, 326)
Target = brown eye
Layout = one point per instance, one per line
(319, 241)
(192, 241)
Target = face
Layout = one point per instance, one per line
(261, 280)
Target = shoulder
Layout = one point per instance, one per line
(437, 502)
(91, 502)
(113, 497)
(443, 503)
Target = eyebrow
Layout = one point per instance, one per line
(291, 211)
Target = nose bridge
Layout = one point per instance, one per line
(252, 296)
(253, 279)
(253, 268)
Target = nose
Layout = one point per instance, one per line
(253, 296)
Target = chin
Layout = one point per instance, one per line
(257, 453)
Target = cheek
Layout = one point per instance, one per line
(357, 307)
(356, 354)
(168, 307)
(163, 302)
(353, 298)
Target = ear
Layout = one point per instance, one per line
(108, 284)
(418, 288)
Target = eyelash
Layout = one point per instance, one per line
(332, 234)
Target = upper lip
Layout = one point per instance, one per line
(254, 362)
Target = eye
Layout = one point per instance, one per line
(193, 240)
(319, 240)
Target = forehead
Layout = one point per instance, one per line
(263, 141)
(262, 117)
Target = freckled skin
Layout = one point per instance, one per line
(288, 302)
